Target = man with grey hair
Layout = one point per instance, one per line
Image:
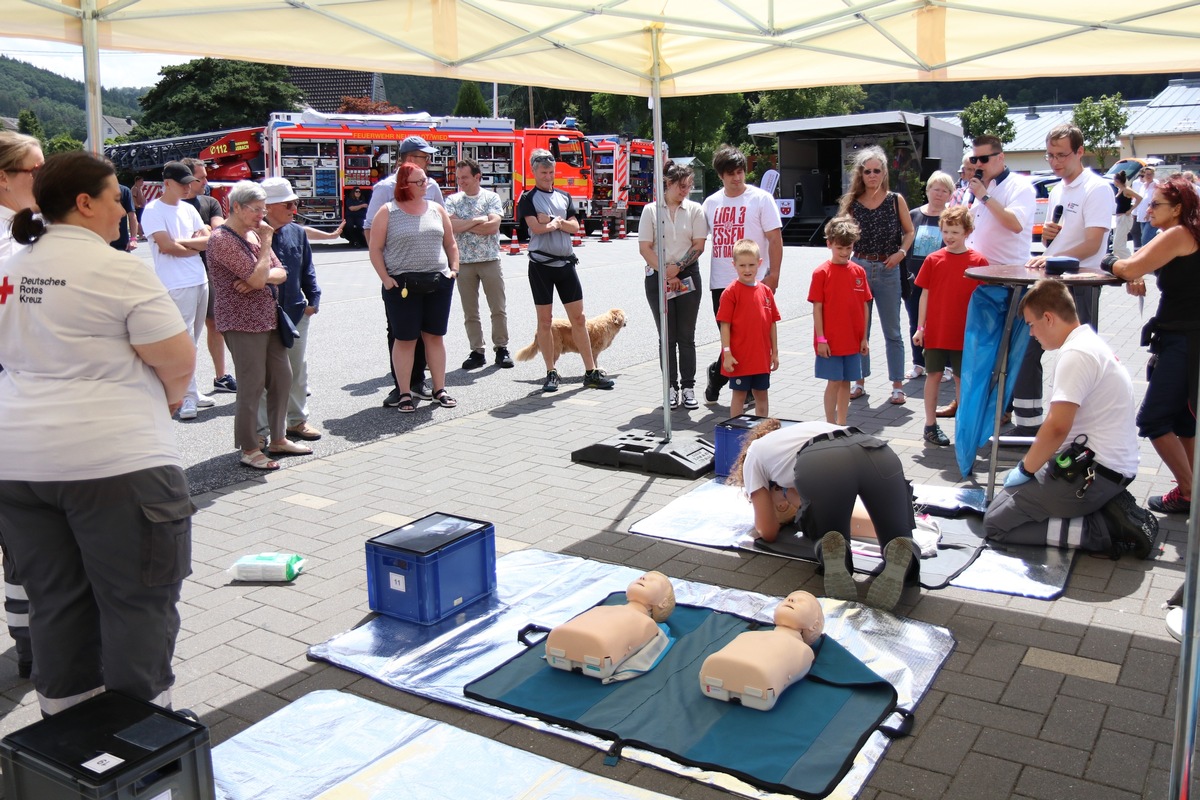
(550, 215)
(416, 150)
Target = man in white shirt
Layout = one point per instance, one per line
(1003, 205)
(1081, 232)
(177, 235)
(475, 213)
(738, 211)
(416, 150)
(1069, 489)
(1143, 231)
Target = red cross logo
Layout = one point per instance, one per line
(5, 290)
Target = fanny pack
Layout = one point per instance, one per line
(417, 282)
(547, 260)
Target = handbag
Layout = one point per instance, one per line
(417, 282)
(283, 323)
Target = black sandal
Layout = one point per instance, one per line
(444, 400)
(405, 404)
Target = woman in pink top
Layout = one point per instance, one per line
(243, 268)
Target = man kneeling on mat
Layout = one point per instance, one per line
(782, 469)
(1069, 489)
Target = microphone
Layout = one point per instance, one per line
(978, 177)
(1058, 212)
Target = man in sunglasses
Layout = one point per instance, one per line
(1002, 204)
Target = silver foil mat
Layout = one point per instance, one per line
(547, 589)
(335, 746)
(715, 515)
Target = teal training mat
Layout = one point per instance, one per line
(803, 746)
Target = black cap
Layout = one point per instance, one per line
(178, 171)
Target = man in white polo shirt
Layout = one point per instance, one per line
(177, 235)
(1003, 205)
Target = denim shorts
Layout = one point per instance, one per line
(751, 383)
(1165, 406)
(840, 368)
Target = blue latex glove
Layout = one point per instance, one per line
(1015, 478)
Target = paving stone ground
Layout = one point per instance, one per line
(1073, 698)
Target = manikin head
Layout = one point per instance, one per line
(653, 591)
(801, 611)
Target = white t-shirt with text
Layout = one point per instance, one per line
(750, 215)
(1087, 202)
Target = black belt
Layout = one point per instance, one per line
(1111, 474)
(872, 256)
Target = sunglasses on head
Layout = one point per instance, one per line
(982, 159)
(542, 160)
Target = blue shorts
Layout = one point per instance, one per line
(1165, 405)
(409, 317)
(840, 368)
(751, 383)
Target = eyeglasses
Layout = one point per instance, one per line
(1053, 157)
(33, 171)
(982, 159)
(1156, 204)
(256, 209)
(872, 172)
(415, 183)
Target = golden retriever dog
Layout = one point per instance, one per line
(601, 330)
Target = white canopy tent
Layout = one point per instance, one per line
(662, 48)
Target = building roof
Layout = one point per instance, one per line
(121, 125)
(324, 88)
(852, 124)
(1033, 123)
(1175, 110)
(9, 124)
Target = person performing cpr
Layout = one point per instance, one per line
(782, 469)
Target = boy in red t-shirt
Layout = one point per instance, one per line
(747, 316)
(839, 294)
(942, 319)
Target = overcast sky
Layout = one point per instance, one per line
(117, 68)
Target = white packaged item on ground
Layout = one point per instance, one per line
(277, 567)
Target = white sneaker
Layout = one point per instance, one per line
(204, 401)
(689, 398)
(948, 375)
(188, 409)
(674, 397)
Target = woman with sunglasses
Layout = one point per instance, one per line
(243, 267)
(887, 235)
(94, 504)
(1168, 413)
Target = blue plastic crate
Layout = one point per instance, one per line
(728, 439)
(429, 569)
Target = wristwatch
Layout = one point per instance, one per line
(985, 198)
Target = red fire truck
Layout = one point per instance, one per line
(326, 155)
(623, 175)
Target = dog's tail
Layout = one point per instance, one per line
(527, 353)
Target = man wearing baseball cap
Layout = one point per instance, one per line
(299, 296)
(416, 150)
(177, 235)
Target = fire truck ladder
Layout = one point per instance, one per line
(153, 154)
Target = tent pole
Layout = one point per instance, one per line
(1188, 693)
(660, 244)
(91, 75)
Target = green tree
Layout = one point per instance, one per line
(987, 115)
(821, 101)
(1101, 122)
(63, 143)
(212, 94)
(29, 124)
(470, 101)
(144, 132)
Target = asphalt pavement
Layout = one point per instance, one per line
(347, 354)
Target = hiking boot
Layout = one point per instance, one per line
(888, 585)
(834, 554)
(712, 391)
(595, 379)
(1131, 528)
(934, 435)
(503, 359)
(551, 384)
(689, 398)
(1173, 502)
(474, 361)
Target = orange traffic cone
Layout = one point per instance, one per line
(514, 247)
(604, 232)
(621, 229)
(576, 240)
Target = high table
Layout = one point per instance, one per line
(1014, 277)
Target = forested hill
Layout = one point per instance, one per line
(57, 101)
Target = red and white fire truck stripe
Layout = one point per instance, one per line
(621, 175)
